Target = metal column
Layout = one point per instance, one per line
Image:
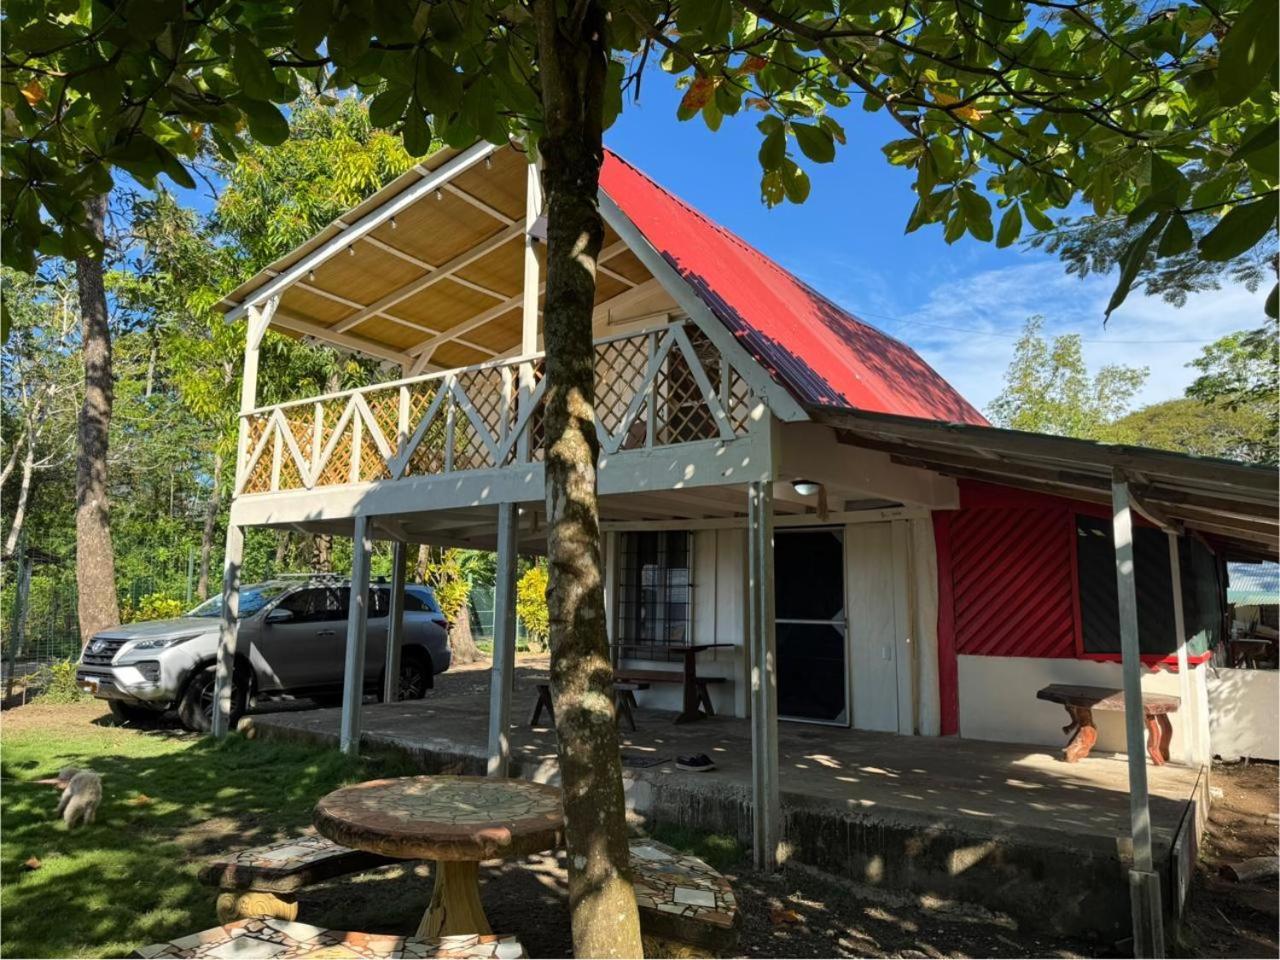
(395, 626)
(1144, 883)
(1190, 740)
(502, 672)
(765, 796)
(228, 635)
(357, 628)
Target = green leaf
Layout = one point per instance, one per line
(1248, 52)
(311, 22)
(774, 149)
(266, 123)
(388, 106)
(1240, 230)
(1132, 259)
(1177, 237)
(1273, 302)
(1010, 226)
(416, 133)
(795, 182)
(1037, 218)
(444, 23)
(816, 144)
(977, 213)
(253, 70)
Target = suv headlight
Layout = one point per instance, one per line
(160, 643)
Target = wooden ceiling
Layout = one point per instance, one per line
(442, 277)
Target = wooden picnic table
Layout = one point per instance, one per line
(456, 821)
(1081, 701)
(697, 702)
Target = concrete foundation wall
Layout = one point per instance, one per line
(1244, 713)
(998, 700)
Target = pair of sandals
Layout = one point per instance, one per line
(695, 763)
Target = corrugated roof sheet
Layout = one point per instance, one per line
(822, 353)
(1253, 584)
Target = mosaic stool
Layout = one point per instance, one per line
(687, 909)
(285, 940)
(263, 882)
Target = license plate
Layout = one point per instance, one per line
(88, 686)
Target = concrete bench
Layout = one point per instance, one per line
(262, 882)
(261, 939)
(1081, 701)
(687, 909)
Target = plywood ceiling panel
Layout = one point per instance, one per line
(312, 306)
(442, 305)
(365, 276)
(456, 355)
(629, 265)
(437, 230)
(499, 335)
(607, 288)
(392, 334)
(501, 187)
(501, 271)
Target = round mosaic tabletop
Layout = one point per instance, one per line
(443, 817)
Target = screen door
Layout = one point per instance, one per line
(811, 628)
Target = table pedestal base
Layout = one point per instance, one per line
(455, 901)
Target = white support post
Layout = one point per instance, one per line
(611, 593)
(1190, 747)
(395, 626)
(529, 303)
(765, 795)
(1144, 882)
(228, 635)
(357, 628)
(502, 673)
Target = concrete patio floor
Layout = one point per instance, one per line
(1007, 825)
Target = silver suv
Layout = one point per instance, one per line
(293, 635)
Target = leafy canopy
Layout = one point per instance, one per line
(1011, 110)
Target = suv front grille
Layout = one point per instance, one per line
(101, 651)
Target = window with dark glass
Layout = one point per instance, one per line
(654, 594)
(1099, 604)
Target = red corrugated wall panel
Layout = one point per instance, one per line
(1012, 580)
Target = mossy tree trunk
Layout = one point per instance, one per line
(573, 60)
(95, 560)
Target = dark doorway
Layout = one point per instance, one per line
(809, 596)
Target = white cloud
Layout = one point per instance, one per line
(965, 326)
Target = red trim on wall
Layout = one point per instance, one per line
(948, 664)
(1150, 659)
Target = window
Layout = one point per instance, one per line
(654, 600)
(1099, 604)
(317, 604)
(419, 601)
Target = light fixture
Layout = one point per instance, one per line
(351, 251)
(488, 163)
(439, 194)
(311, 276)
(806, 488)
(393, 223)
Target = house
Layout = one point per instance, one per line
(777, 477)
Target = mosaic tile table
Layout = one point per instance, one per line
(456, 821)
(687, 909)
(285, 940)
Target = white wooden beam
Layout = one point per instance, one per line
(766, 796)
(504, 643)
(442, 272)
(479, 204)
(287, 321)
(228, 633)
(425, 265)
(395, 626)
(357, 637)
(369, 222)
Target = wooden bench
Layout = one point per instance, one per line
(687, 909)
(673, 676)
(262, 882)
(1081, 701)
(261, 939)
(624, 701)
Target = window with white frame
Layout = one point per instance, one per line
(654, 594)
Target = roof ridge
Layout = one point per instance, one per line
(745, 245)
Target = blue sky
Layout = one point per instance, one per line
(960, 306)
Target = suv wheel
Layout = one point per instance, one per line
(415, 676)
(132, 713)
(195, 709)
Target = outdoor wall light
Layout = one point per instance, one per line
(806, 488)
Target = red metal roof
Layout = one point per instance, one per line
(824, 355)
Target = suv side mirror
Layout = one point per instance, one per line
(279, 615)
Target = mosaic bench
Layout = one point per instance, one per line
(687, 909)
(285, 940)
(262, 881)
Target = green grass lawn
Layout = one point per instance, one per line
(169, 801)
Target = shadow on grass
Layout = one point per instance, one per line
(130, 878)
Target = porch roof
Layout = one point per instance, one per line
(1235, 504)
(429, 271)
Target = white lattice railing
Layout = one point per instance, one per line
(666, 386)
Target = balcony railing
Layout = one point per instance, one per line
(654, 389)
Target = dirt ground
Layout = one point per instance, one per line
(1224, 918)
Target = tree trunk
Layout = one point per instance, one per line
(24, 494)
(95, 561)
(461, 642)
(424, 561)
(323, 553)
(210, 525)
(282, 550)
(573, 60)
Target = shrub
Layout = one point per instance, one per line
(531, 606)
(153, 606)
(57, 682)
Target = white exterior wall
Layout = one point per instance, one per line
(998, 701)
(1244, 713)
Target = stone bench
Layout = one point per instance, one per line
(687, 909)
(263, 939)
(262, 882)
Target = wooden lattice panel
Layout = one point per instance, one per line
(740, 402)
(469, 450)
(385, 407)
(300, 422)
(259, 478)
(683, 414)
(372, 465)
(621, 369)
(337, 468)
(485, 389)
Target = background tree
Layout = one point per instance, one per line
(1188, 425)
(531, 605)
(1048, 388)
